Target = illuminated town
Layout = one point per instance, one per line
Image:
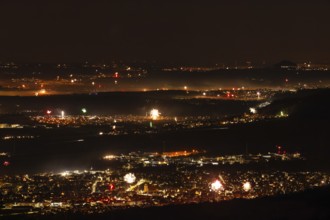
(170, 169)
(134, 180)
(164, 110)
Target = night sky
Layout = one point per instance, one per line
(178, 32)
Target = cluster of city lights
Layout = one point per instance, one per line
(247, 186)
(216, 186)
(129, 178)
(154, 113)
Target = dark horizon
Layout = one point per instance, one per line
(165, 32)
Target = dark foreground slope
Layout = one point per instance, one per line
(311, 204)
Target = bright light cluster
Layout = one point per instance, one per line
(110, 157)
(129, 178)
(216, 186)
(247, 186)
(154, 113)
(253, 110)
(65, 173)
